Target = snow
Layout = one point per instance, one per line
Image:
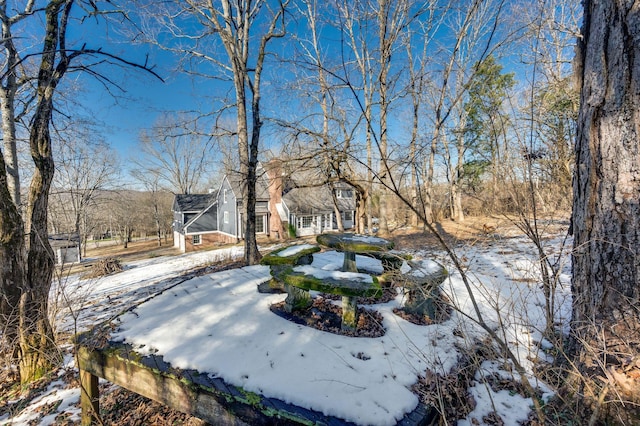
(54, 394)
(219, 324)
(323, 274)
(333, 260)
(421, 268)
(84, 303)
(293, 250)
(365, 238)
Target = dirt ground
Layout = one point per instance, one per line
(136, 250)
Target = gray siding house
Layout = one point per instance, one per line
(230, 205)
(311, 210)
(204, 220)
(194, 220)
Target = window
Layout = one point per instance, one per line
(344, 193)
(259, 224)
(226, 217)
(347, 216)
(307, 221)
(196, 239)
(224, 196)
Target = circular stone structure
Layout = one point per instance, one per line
(291, 267)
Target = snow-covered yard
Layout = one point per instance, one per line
(218, 323)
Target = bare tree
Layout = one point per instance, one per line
(324, 137)
(177, 153)
(156, 200)
(472, 29)
(13, 79)
(392, 18)
(127, 214)
(83, 169)
(28, 263)
(605, 324)
(553, 101)
(355, 16)
(233, 26)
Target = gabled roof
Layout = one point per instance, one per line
(193, 202)
(262, 185)
(313, 200)
(64, 240)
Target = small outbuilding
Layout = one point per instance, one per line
(66, 248)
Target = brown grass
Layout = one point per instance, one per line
(136, 250)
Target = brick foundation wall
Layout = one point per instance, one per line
(209, 241)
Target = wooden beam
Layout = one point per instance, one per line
(209, 399)
(162, 387)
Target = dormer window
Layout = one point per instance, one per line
(344, 193)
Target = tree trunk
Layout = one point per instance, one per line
(252, 254)
(37, 344)
(456, 195)
(336, 209)
(384, 12)
(156, 214)
(606, 213)
(248, 163)
(7, 107)
(368, 202)
(12, 273)
(428, 181)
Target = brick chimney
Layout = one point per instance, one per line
(277, 228)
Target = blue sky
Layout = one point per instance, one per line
(143, 98)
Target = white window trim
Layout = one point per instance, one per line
(226, 217)
(196, 237)
(261, 219)
(302, 222)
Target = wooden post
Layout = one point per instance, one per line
(89, 397)
(349, 313)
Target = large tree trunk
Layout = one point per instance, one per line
(606, 210)
(37, 344)
(248, 165)
(252, 254)
(12, 245)
(384, 13)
